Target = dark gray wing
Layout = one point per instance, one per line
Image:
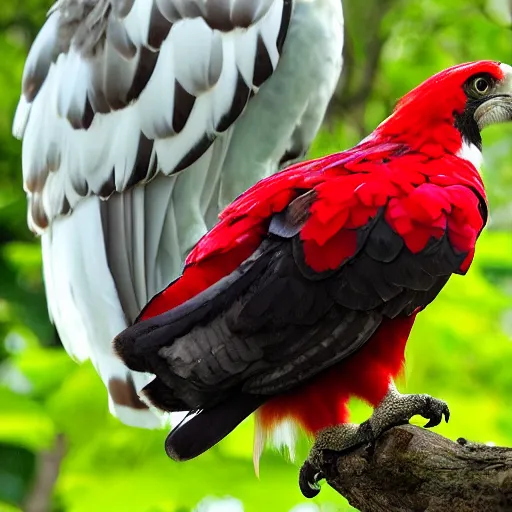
(273, 323)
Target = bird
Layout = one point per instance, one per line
(305, 292)
(140, 121)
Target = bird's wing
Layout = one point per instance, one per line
(301, 272)
(115, 91)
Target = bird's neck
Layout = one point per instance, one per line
(459, 160)
(435, 135)
(471, 153)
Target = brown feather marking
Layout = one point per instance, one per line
(123, 393)
(37, 213)
(159, 27)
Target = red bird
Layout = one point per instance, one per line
(306, 291)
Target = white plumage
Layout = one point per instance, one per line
(140, 120)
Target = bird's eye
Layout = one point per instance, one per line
(481, 86)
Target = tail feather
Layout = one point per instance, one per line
(194, 436)
(162, 397)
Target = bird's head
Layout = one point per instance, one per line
(448, 111)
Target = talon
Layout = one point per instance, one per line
(433, 422)
(309, 478)
(446, 414)
(329, 442)
(436, 409)
(395, 409)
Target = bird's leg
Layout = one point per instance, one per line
(397, 409)
(394, 409)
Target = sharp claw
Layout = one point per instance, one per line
(318, 476)
(437, 416)
(309, 477)
(433, 422)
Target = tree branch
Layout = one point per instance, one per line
(40, 499)
(414, 469)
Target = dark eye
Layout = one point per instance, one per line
(481, 86)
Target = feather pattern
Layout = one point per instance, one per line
(160, 93)
(90, 73)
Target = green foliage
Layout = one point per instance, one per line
(459, 350)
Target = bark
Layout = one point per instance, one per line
(414, 469)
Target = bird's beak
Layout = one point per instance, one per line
(498, 108)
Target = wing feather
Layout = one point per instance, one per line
(318, 285)
(118, 93)
(98, 78)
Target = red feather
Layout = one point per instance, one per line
(416, 210)
(366, 375)
(409, 167)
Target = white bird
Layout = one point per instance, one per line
(140, 120)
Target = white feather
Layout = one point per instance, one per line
(41, 52)
(85, 290)
(137, 22)
(156, 103)
(21, 117)
(284, 434)
(245, 53)
(472, 154)
(192, 43)
(269, 27)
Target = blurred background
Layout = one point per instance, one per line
(60, 450)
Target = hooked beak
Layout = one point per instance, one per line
(498, 108)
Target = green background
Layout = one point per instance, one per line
(53, 412)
